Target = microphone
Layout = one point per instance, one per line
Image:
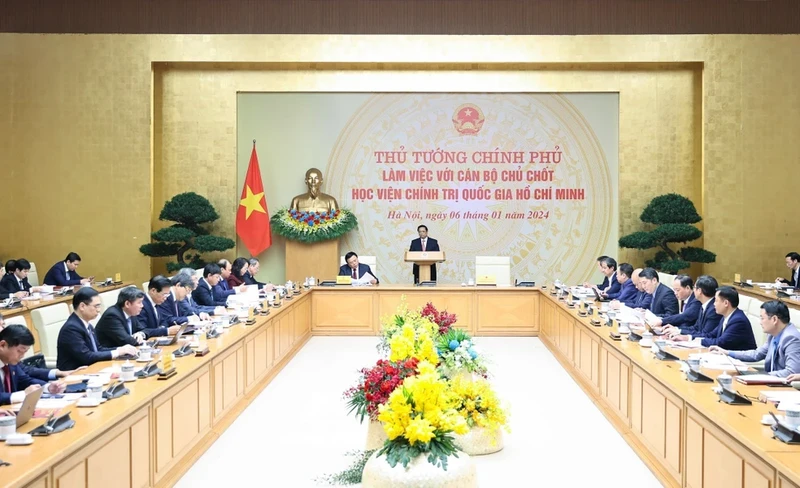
(738, 371)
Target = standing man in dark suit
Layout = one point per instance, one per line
(356, 270)
(688, 305)
(664, 301)
(65, 273)
(793, 263)
(15, 340)
(118, 325)
(77, 342)
(151, 321)
(16, 283)
(705, 290)
(421, 244)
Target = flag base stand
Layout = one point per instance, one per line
(317, 259)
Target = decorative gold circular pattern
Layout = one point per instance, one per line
(558, 247)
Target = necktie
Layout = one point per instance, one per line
(130, 329)
(354, 274)
(7, 381)
(424, 241)
(680, 306)
(769, 364)
(91, 337)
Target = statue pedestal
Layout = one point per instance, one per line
(320, 260)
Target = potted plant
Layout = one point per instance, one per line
(480, 407)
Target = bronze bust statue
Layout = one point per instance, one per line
(314, 200)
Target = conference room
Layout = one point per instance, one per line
(511, 239)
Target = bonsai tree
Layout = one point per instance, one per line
(189, 210)
(672, 216)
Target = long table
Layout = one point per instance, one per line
(765, 295)
(152, 436)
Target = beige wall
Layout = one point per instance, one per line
(712, 117)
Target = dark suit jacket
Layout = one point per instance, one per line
(664, 301)
(170, 312)
(431, 245)
(57, 276)
(628, 294)
(148, 322)
(112, 328)
(222, 291)
(643, 300)
(188, 306)
(706, 321)
(602, 286)
(41, 374)
(19, 381)
(615, 288)
(691, 310)
(75, 346)
(738, 334)
(10, 285)
(251, 280)
(204, 295)
(345, 270)
(794, 283)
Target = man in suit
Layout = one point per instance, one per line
(734, 331)
(15, 383)
(42, 374)
(64, 273)
(118, 325)
(793, 263)
(781, 351)
(628, 293)
(170, 310)
(664, 301)
(151, 321)
(643, 299)
(420, 244)
(203, 294)
(608, 266)
(77, 342)
(188, 306)
(688, 305)
(356, 270)
(222, 290)
(16, 283)
(705, 289)
(604, 284)
(250, 274)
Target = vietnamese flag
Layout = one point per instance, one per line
(252, 217)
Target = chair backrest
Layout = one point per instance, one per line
(144, 286)
(665, 278)
(752, 308)
(497, 266)
(794, 316)
(108, 299)
(370, 261)
(33, 275)
(198, 272)
(19, 320)
(48, 322)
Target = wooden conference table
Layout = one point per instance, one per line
(152, 436)
(765, 295)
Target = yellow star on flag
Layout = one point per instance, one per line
(252, 202)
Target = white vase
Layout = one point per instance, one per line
(420, 473)
(376, 436)
(479, 441)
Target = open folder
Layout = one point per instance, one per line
(363, 280)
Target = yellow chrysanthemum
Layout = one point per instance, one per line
(419, 430)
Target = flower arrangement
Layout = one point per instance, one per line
(457, 353)
(375, 386)
(442, 319)
(312, 227)
(479, 406)
(393, 325)
(414, 342)
(418, 419)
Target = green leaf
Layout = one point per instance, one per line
(213, 243)
(189, 208)
(676, 233)
(174, 266)
(174, 233)
(351, 475)
(159, 249)
(697, 255)
(670, 209)
(638, 240)
(673, 266)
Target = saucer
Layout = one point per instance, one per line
(127, 381)
(646, 343)
(88, 402)
(19, 439)
(768, 420)
(142, 360)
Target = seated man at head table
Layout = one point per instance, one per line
(734, 331)
(15, 340)
(793, 263)
(663, 302)
(688, 305)
(250, 274)
(119, 324)
(705, 290)
(16, 283)
(222, 290)
(356, 270)
(170, 309)
(77, 342)
(188, 306)
(42, 374)
(781, 351)
(64, 273)
(203, 294)
(152, 321)
(628, 293)
(610, 287)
